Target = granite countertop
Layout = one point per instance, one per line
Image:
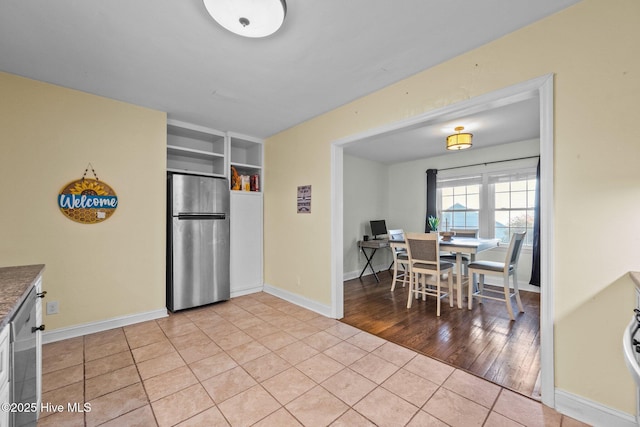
(15, 285)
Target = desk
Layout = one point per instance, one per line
(466, 245)
(373, 245)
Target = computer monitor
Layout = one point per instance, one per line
(378, 228)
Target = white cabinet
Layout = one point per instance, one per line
(195, 149)
(4, 374)
(4, 397)
(39, 296)
(245, 156)
(246, 243)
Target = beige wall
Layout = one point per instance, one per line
(49, 135)
(597, 178)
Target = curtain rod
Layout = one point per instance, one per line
(488, 163)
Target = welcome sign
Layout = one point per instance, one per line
(88, 201)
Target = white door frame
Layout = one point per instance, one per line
(541, 87)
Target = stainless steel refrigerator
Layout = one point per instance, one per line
(197, 241)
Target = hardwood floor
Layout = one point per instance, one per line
(482, 341)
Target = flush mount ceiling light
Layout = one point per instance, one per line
(459, 141)
(248, 18)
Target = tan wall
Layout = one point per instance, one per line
(597, 178)
(48, 136)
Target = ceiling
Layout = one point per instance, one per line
(171, 56)
(519, 121)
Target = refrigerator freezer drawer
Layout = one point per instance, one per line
(200, 270)
(199, 194)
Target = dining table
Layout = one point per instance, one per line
(465, 246)
(456, 245)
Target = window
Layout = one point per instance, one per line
(460, 202)
(496, 202)
(513, 204)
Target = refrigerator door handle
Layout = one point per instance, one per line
(211, 216)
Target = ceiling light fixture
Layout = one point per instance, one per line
(459, 141)
(248, 18)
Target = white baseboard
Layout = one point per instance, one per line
(590, 412)
(296, 299)
(246, 291)
(381, 268)
(102, 325)
(523, 286)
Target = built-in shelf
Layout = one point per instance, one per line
(246, 166)
(195, 149)
(175, 149)
(245, 155)
(245, 152)
(187, 160)
(199, 150)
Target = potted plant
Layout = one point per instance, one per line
(434, 223)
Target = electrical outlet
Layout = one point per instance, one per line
(52, 307)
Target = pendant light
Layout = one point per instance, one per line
(248, 18)
(459, 141)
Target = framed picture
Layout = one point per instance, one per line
(304, 199)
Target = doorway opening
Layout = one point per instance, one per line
(540, 88)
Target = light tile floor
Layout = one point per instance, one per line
(258, 360)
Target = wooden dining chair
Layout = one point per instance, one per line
(505, 269)
(424, 260)
(400, 258)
